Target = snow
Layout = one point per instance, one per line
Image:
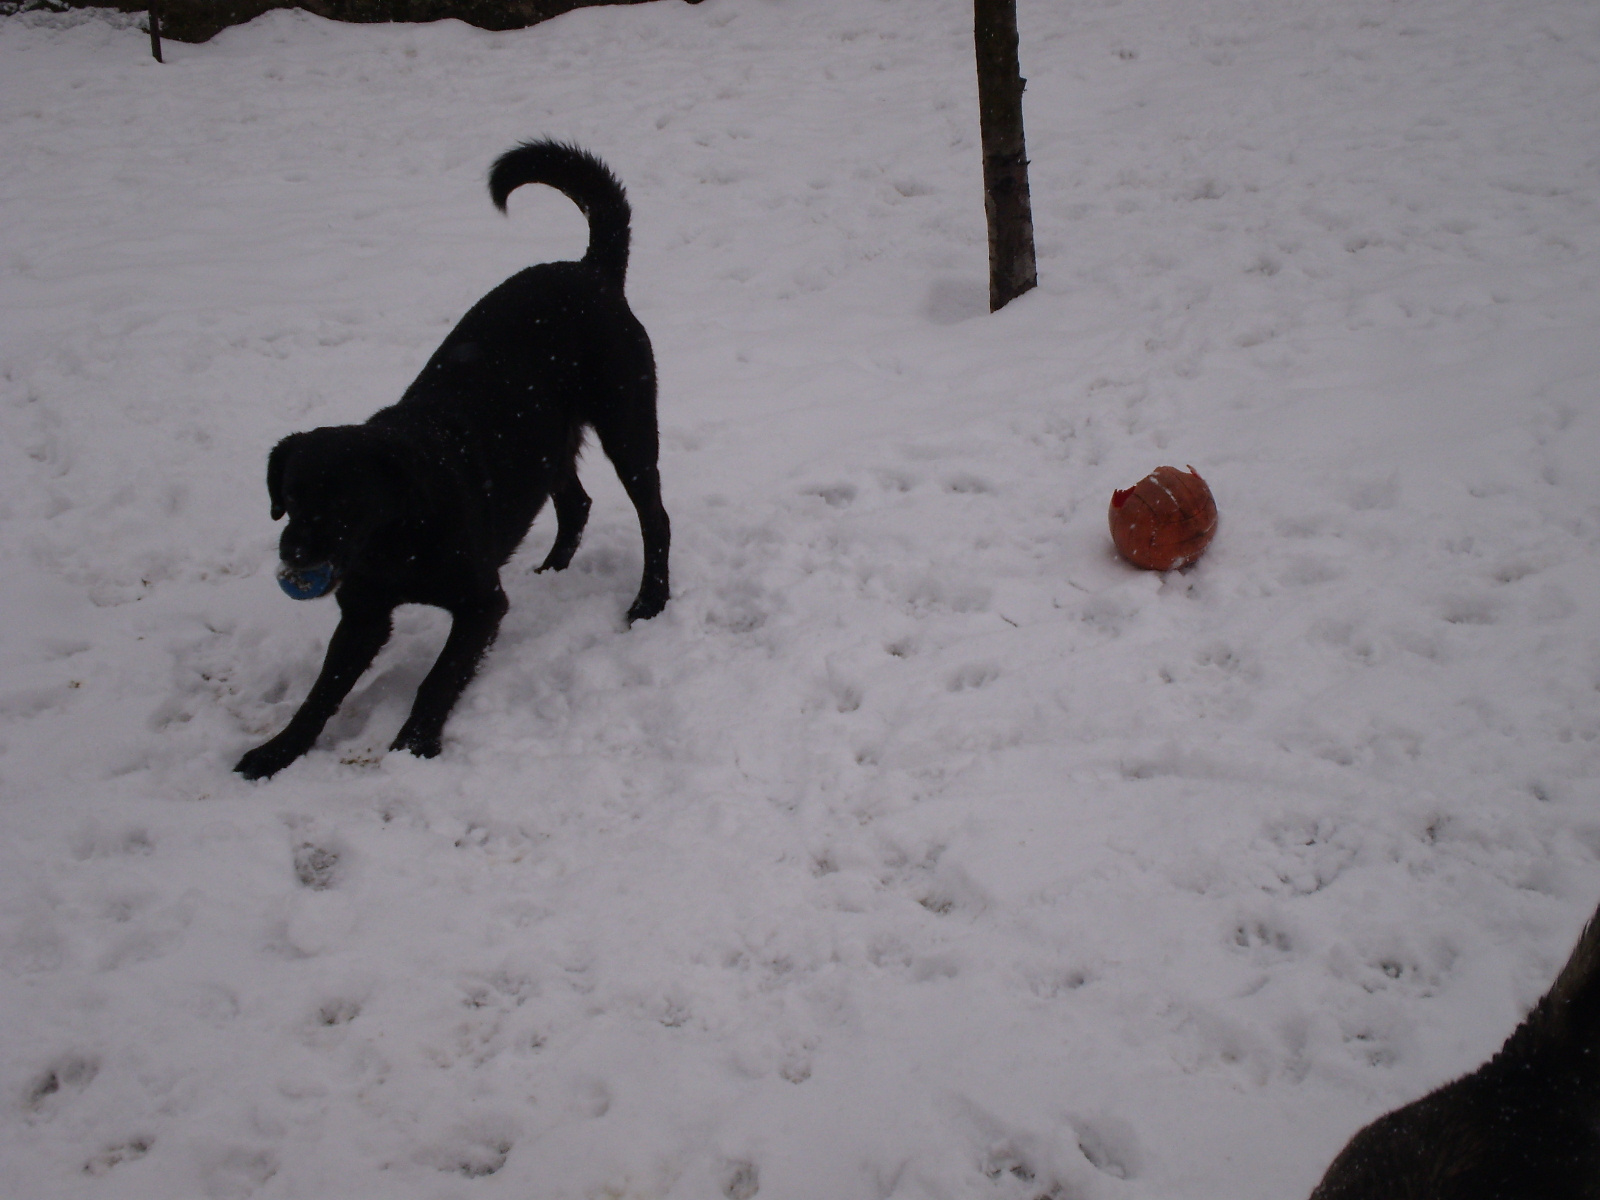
(920, 849)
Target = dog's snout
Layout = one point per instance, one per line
(296, 552)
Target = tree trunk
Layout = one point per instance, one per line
(1012, 270)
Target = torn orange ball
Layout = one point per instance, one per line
(1165, 521)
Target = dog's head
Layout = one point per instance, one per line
(338, 486)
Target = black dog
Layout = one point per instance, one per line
(1524, 1126)
(426, 501)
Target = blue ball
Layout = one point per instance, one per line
(306, 584)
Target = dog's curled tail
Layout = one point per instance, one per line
(581, 178)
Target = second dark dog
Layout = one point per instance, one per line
(1524, 1126)
(425, 501)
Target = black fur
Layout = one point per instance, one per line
(1524, 1126)
(424, 502)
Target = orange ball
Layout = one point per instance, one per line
(1165, 521)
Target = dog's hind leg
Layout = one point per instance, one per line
(361, 633)
(644, 489)
(572, 514)
(632, 449)
(473, 627)
(623, 416)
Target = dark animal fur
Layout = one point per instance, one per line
(426, 501)
(1524, 1126)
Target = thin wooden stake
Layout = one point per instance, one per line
(1012, 269)
(155, 31)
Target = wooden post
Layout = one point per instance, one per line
(1012, 269)
(155, 31)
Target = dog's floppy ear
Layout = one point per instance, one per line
(276, 462)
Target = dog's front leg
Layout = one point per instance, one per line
(361, 633)
(472, 631)
(572, 514)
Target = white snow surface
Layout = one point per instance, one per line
(920, 848)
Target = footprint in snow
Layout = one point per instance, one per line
(60, 1082)
(114, 1156)
(742, 1181)
(834, 495)
(1019, 1175)
(473, 1151)
(966, 484)
(1110, 1144)
(1262, 938)
(973, 676)
(316, 867)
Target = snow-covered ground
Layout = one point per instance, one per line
(920, 849)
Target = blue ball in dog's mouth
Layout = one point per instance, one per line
(306, 583)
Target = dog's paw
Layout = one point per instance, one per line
(646, 607)
(423, 745)
(559, 558)
(267, 759)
